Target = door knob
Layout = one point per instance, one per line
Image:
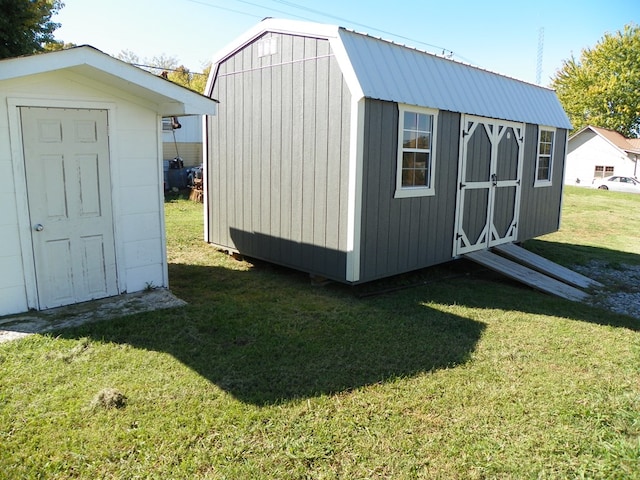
(38, 227)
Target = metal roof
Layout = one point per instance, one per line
(393, 72)
(384, 70)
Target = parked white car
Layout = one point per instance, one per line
(617, 184)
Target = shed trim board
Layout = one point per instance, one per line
(354, 223)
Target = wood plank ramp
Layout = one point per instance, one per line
(543, 265)
(525, 275)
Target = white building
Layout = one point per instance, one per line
(184, 142)
(81, 177)
(596, 152)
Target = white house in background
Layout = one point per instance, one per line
(596, 152)
(81, 177)
(184, 142)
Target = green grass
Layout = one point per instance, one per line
(596, 224)
(263, 375)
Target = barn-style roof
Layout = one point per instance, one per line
(384, 70)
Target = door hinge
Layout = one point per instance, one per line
(462, 185)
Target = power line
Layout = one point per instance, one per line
(368, 27)
(445, 51)
(155, 67)
(247, 13)
(223, 8)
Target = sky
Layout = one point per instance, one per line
(497, 35)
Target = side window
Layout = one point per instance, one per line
(416, 151)
(602, 171)
(544, 162)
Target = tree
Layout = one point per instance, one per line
(169, 68)
(602, 87)
(56, 46)
(180, 74)
(194, 81)
(25, 26)
(129, 57)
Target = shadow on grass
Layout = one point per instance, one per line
(266, 335)
(568, 254)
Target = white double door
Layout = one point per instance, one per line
(66, 155)
(489, 183)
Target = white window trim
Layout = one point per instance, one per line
(549, 182)
(408, 192)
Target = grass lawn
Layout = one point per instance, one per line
(263, 375)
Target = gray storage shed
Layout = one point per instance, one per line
(355, 158)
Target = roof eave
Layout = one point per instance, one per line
(171, 99)
(617, 147)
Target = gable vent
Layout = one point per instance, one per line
(267, 46)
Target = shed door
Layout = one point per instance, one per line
(69, 194)
(490, 169)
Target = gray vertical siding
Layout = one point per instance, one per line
(404, 234)
(540, 206)
(278, 171)
(478, 169)
(279, 151)
(506, 169)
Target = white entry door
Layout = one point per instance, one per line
(490, 171)
(69, 194)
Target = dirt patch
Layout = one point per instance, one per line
(19, 326)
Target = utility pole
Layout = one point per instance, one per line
(540, 51)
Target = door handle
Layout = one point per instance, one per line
(38, 227)
(494, 179)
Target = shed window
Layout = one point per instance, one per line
(544, 164)
(602, 171)
(416, 151)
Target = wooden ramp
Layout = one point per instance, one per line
(541, 264)
(525, 275)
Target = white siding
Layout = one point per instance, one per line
(587, 150)
(187, 143)
(135, 150)
(189, 132)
